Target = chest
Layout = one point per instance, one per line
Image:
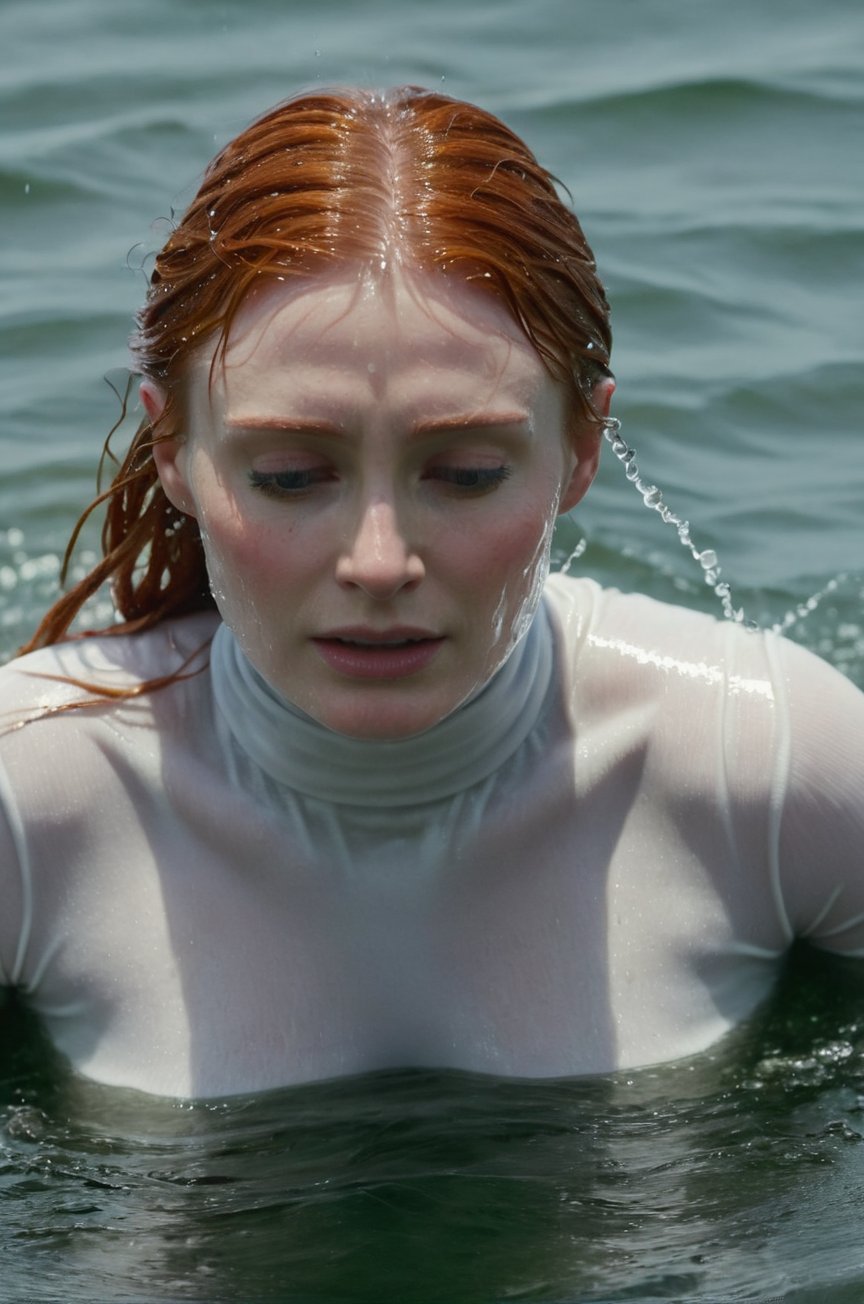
(240, 946)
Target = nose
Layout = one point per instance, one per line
(378, 558)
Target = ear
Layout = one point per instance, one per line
(169, 455)
(586, 444)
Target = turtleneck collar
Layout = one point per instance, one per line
(463, 749)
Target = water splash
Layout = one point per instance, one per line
(707, 558)
(574, 556)
(652, 497)
(803, 609)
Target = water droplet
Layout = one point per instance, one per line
(574, 556)
(706, 558)
(804, 609)
(652, 497)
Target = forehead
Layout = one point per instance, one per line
(420, 339)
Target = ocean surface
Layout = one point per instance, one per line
(713, 152)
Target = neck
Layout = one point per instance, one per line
(459, 751)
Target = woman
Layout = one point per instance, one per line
(351, 783)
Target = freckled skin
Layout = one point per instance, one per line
(378, 453)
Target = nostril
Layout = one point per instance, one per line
(379, 558)
(381, 575)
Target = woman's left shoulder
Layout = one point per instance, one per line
(651, 630)
(618, 631)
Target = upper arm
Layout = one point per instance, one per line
(821, 830)
(14, 887)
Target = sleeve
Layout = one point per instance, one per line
(15, 894)
(820, 824)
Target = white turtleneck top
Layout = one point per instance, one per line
(596, 863)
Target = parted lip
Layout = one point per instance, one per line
(364, 634)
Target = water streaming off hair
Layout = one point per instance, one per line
(706, 558)
(652, 497)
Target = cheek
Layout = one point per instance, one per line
(240, 546)
(249, 572)
(247, 552)
(512, 551)
(499, 573)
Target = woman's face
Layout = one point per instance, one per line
(376, 472)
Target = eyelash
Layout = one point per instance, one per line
(470, 479)
(272, 482)
(480, 479)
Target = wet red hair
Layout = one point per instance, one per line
(331, 178)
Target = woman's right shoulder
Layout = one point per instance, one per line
(111, 666)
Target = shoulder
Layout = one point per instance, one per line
(107, 667)
(625, 631)
(824, 713)
(80, 731)
(686, 668)
(630, 638)
(600, 612)
(75, 711)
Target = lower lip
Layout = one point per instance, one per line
(377, 661)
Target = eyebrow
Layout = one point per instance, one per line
(475, 421)
(292, 425)
(434, 426)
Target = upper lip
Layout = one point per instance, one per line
(395, 634)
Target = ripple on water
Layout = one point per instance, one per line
(697, 1177)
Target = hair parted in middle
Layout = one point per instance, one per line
(326, 179)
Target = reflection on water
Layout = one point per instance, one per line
(738, 1174)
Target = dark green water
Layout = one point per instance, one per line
(713, 152)
(737, 1175)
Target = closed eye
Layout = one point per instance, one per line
(476, 479)
(285, 483)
